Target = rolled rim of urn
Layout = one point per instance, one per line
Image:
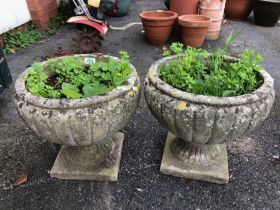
(21, 91)
(257, 95)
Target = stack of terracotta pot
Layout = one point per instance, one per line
(193, 27)
(41, 11)
(215, 10)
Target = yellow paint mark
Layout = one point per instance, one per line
(151, 74)
(182, 105)
(131, 93)
(136, 88)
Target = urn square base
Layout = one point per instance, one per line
(63, 169)
(215, 170)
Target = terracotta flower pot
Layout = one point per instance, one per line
(194, 29)
(266, 12)
(183, 7)
(158, 25)
(238, 9)
(215, 10)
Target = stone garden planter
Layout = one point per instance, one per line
(87, 128)
(200, 125)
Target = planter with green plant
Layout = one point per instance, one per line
(205, 100)
(81, 102)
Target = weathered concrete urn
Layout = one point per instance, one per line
(200, 125)
(87, 128)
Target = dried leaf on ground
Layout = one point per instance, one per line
(13, 51)
(21, 180)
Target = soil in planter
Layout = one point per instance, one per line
(72, 78)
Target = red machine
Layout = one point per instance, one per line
(91, 21)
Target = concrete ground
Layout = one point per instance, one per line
(255, 178)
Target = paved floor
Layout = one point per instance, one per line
(255, 179)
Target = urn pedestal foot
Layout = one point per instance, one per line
(210, 170)
(75, 163)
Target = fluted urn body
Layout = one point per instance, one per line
(85, 125)
(201, 123)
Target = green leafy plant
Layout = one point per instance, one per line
(19, 39)
(214, 74)
(72, 78)
(56, 23)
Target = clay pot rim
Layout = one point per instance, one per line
(21, 90)
(172, 16)
(194, 21)
(257, 95)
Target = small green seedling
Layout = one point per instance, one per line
(73, 79)
(199, 72)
